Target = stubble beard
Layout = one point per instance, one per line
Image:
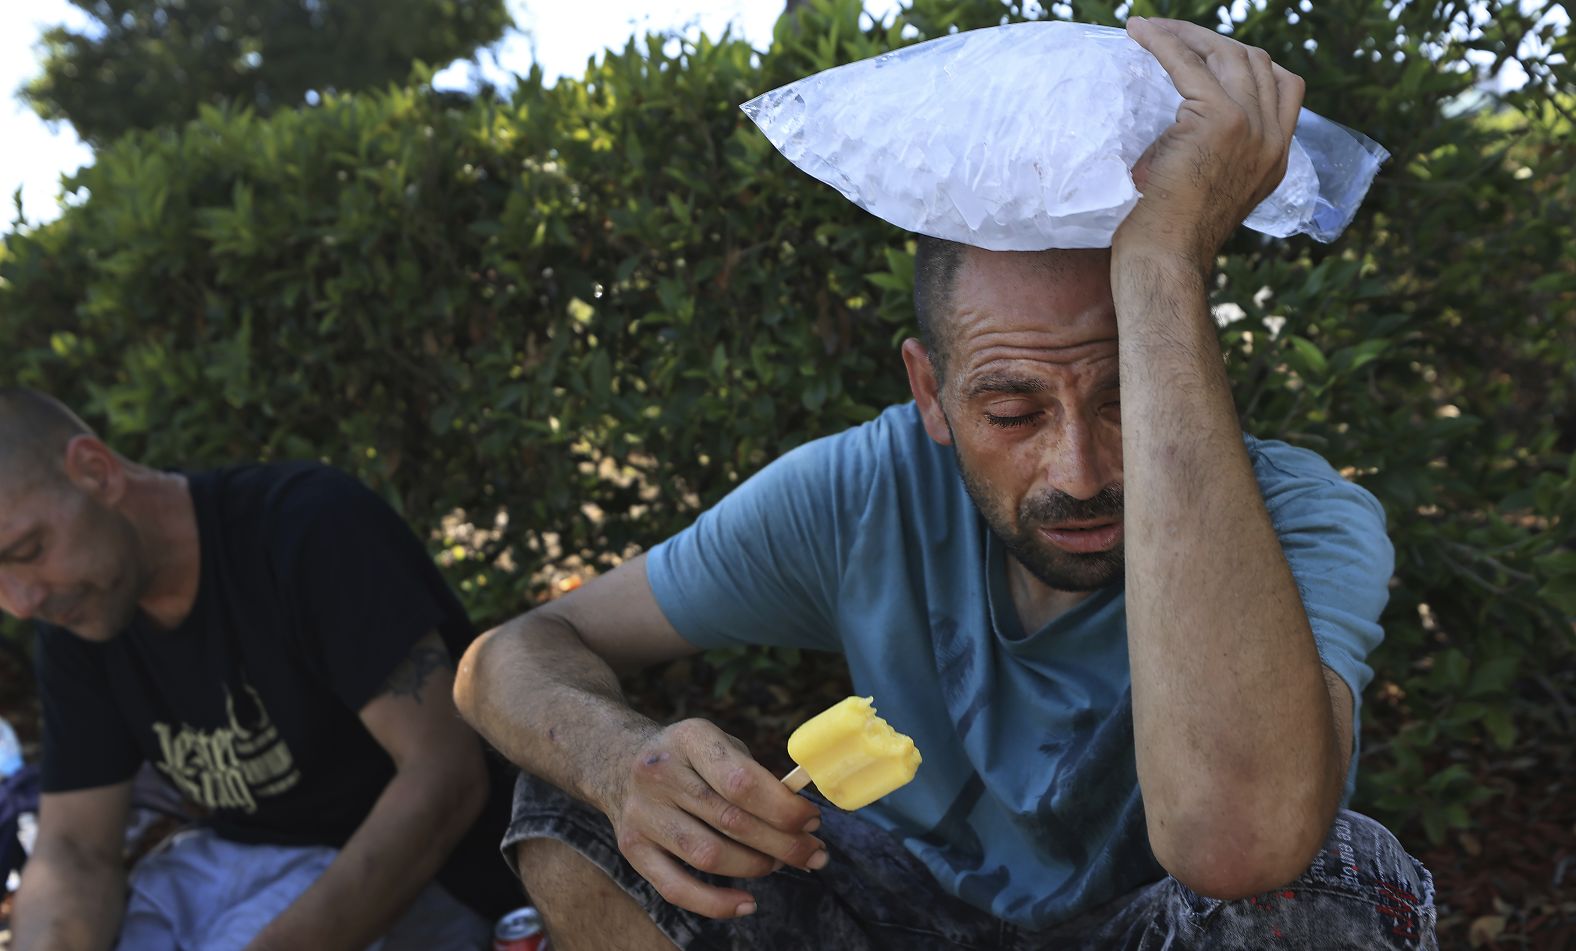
(113, 604)
(1061, 570)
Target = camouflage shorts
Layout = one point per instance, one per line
(1363, 891)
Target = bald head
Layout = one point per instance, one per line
(34, 431)
(938, 263)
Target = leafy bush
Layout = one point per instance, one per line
(551, 327)
(143, 64)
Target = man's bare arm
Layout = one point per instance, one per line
(546, 695)
(438, 790)
(1240, 752)
(74, 886)
(542, 689)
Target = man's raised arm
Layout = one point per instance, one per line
(543, 690)
(1241, 745)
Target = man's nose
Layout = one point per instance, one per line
(1073, 461)
(20, 599)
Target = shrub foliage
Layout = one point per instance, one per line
(552, 325)
(142, 64)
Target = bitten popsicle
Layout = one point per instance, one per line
(851, 754)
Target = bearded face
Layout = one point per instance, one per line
(1027, 393)
(68, 561)
(1027, 529)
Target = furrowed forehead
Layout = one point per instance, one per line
(1050, 286)
(1099, 375)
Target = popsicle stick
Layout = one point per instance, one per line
(796, 780)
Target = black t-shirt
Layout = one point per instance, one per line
(312, 591)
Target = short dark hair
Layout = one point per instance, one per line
(34, 430)
(936, 264)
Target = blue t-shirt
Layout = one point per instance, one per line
(1027, 804)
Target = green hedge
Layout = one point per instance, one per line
(594, 307)
(144, 64)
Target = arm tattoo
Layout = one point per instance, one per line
(426, 656)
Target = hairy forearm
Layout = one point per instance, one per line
(1235, 742)
(551, 706)
(68, 902)
(388, 861)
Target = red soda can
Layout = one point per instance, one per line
(520, 930)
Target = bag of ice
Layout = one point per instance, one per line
(1023, 137)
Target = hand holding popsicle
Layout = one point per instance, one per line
(851, 754)
(695, 799)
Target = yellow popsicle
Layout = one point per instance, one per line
(851, 754)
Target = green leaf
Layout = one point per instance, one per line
(1306, 358)
(679, 207)
(814, 395)
(1501, 728)
(1350, 359)
(900, 263)
(888, 282)
(1451, 670)
(1557, 563)
(1561, 593)
(1494, 675)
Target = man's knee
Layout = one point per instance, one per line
(549, 868)
(1362, 887)
(582, 906)
(1361, 853)
(1361, 891)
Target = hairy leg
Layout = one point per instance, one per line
(583, 909)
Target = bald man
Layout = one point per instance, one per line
(279, 645)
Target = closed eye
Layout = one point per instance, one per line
(17, 555)
(1011, 422)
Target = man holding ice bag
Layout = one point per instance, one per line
(1127, 638)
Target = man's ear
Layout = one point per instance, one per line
(926, 388)
(94, 469)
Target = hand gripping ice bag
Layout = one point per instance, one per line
(1023, 137)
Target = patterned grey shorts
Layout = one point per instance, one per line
(1363, 891)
